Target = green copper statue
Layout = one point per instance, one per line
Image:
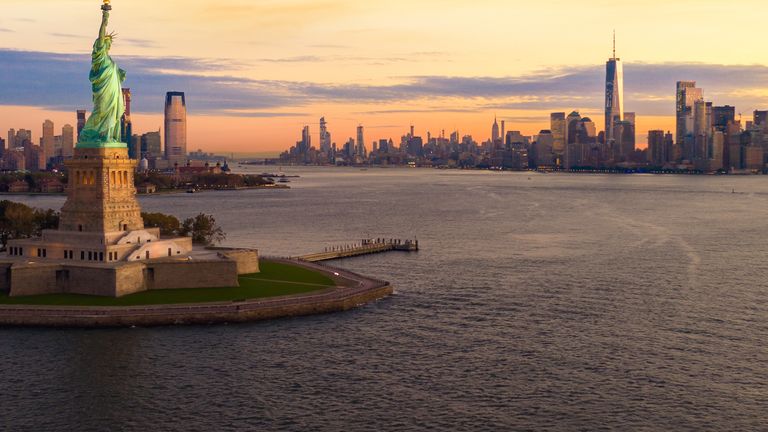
(103, 126)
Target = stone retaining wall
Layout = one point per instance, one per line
(334, 300)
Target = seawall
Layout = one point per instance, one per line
(353, 290)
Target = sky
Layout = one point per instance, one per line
(255, 72)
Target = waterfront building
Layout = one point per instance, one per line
(175, 127)
(47, 142)
(543, 149)
(385, 146)
(614, 94)
(656, 147)
(415, 146)
(625, 139)
(151, 145)
(558, 127)
(687, 95)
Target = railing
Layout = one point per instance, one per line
(365, 247)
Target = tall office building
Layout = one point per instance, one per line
(306, 140)
(67, 141)
(503, 130)
(760, 120)
(360, 144)
(614, 94)
(656, 147)
(47, 142)
(80, 122)
(721, 116)
(175, 127)
(150, 145)
(11, 143)
(384, 146)
(495, 134)
(557, 127)
(625, 139)
(687, 94)
(126, 125)
(325, 137)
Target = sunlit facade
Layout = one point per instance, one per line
(614, 96)
(175, 127)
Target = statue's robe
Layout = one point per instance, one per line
(103, 126)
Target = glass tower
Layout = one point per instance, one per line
(614, 94)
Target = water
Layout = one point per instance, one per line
(538, 302)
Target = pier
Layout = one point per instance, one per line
(365, 247)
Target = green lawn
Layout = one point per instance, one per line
(274, 280)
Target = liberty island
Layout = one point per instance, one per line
(102, 248)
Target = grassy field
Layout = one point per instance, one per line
(274, 280)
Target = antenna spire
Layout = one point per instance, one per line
(614, 44)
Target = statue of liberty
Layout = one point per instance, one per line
(103, 126)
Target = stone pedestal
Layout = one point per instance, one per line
(101, 197)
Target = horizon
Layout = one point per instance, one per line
(253, 93)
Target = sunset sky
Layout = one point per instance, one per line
(256, 71)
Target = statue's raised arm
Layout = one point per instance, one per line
(104, 23)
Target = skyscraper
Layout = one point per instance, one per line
(495, 135)
(721, 116)
(360, 144)
(126, 126)
(47, 142)
(686, 95)
(67, 141)
(760, 119)
(614, 93)
(150, 145)
(557, 127)
(656, 147)
(175, 127)
(80, 122)
(306, 140)
(325, 137)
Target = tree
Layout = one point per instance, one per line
(45, 219)
(169, 225)
(203, 229)
(20, 221)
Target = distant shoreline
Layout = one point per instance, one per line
(159, 192)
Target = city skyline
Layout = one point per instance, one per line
(455, 85)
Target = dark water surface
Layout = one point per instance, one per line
(538, 302)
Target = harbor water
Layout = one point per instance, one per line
(536, 302)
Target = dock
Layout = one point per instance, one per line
(365, 247)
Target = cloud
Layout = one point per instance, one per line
(67, 35)
(58, 81)
(418, 111)
(5, 30)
